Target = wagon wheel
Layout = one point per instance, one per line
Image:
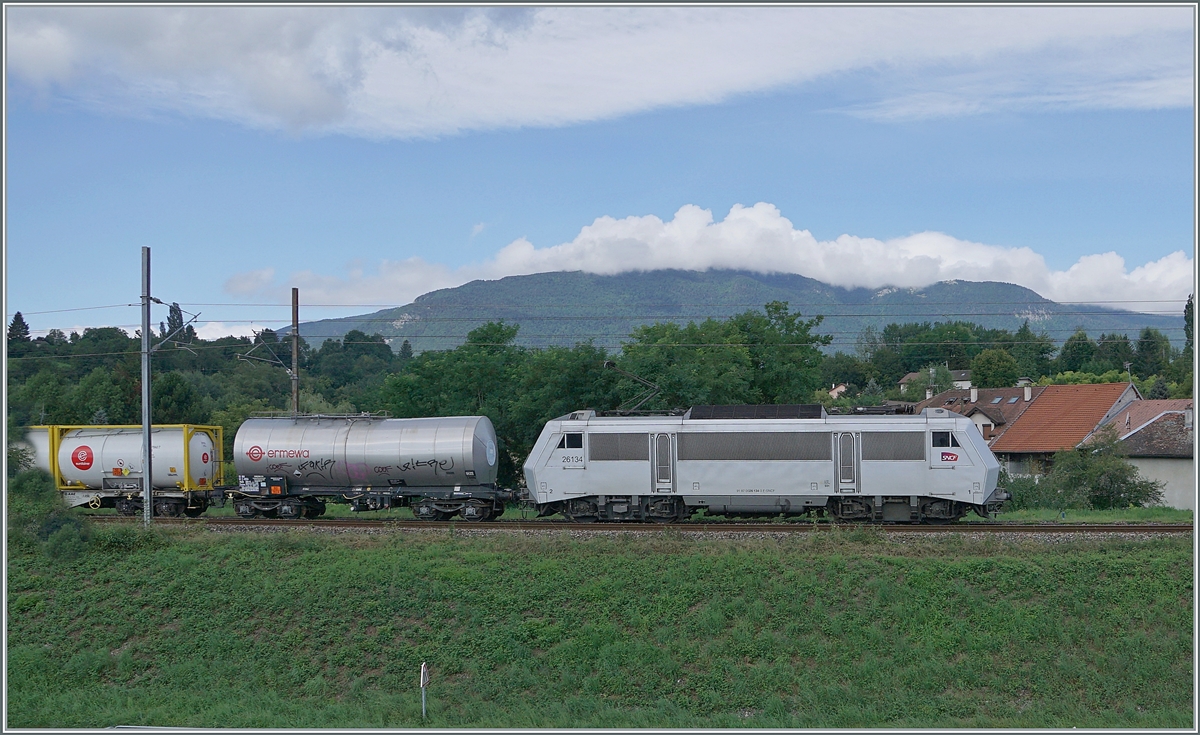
(475, 512)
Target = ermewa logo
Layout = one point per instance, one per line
(82, 457)
(256, 453)
(949, 457)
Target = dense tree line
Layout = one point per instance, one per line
(767, 356)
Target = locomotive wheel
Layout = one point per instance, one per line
(195, 512)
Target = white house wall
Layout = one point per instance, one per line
(1178, 475)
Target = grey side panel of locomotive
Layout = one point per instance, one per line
(358, 452)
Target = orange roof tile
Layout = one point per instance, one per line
(1060, 418)
(1137, 414)
(1002, 412)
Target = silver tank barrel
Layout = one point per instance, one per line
(364, 451)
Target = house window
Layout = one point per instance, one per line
(1014, 399)
(997, 399)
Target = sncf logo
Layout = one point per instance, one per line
(949, 457)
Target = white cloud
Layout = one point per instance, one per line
(216, 330)
(411, 72)
(761, 239)
(250, 282)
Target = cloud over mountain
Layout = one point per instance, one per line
(761, 239)
(415, 72)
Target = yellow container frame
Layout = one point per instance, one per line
(56, 432)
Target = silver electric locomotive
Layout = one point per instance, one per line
(763, 460)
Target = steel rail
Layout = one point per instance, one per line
(397, 524)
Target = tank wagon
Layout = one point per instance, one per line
(101, 466)
(291, 466)
(763, 460)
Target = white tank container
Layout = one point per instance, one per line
(87, 456)
(369, 452)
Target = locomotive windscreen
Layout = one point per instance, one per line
(757, 445)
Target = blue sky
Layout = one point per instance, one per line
(370, 156)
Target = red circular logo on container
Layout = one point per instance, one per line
(255, 453)
(204, 458)
(82, 457)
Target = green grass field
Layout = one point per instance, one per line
(186, 627)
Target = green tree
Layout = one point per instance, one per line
(935, 377)
(1077, 351)
(176, 402)
(18, 336)
(1099, 469)
(1153, 353)
(1112, 352)
(1032, 351)
(18, 330)
(994, 369)
(1187, 324)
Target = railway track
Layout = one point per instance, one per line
(392, 524)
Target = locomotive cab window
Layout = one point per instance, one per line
(944, 439)
(571, 441)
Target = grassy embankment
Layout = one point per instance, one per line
(188, 627)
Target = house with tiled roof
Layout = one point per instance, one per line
(1061, 418)
(992, 409)
(1158, 438)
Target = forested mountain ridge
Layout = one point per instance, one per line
(563, 308)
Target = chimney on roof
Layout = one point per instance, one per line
(974, 394)
(928, 393)
(1028, 393)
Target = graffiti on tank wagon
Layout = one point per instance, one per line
(316, 467)
(279, 467)
(437, 465)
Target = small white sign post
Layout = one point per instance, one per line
(424, 683)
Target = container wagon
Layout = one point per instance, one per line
(101, 466)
